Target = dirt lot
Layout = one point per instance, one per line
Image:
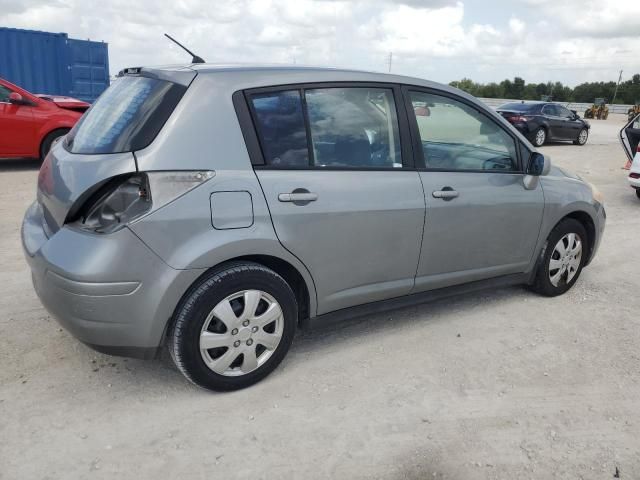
(500, 384)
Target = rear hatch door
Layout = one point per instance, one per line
(64, 178)
(127, 117)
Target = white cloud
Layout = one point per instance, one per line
(516, 25)
(438, 39)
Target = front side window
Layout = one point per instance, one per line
(564, 112)
(4, 94)
(353, 128)
(455, 136)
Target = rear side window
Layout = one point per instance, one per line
(355, 127)
(126, 117)
(281, 128)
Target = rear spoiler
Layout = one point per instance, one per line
(181, 75)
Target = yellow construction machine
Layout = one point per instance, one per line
(598, 110)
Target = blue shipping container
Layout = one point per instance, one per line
(53, 63)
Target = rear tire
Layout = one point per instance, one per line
(46, 144)
(224, 309)
(562, 261)
(638, 192)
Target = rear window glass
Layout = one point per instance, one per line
(126, 117)
(518, 107)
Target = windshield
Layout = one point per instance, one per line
(518, 107)
(126, 117)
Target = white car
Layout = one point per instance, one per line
(630, 138)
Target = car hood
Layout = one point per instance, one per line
(65, 102)
(66, 180)
(556, 171)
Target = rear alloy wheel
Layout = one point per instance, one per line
(582, 137)
(233, 327)
(539, 137)
(564, 256)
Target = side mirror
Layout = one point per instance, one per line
(15, 98)
(538, 165)
(421, 111)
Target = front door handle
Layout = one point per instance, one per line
(300, 196)
(447, 193)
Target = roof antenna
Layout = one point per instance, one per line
(195, 59)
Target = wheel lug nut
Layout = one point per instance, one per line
(245, 323)
(234, 331)
(236, 343)
(249, 342)
(254, 329)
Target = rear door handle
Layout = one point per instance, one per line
(447, 193)
(295, 197)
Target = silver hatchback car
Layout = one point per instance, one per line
(215, 209)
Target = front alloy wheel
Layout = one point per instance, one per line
(562, 259)
(582, 137)
(540, 137)
(565, 259)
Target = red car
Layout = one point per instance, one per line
(30, 123)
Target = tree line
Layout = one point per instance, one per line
(628, 91)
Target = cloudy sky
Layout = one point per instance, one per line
(443, 40)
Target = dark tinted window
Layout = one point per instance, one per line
(4, 94)
(281, 128)
(353, 127)
(550, 110)
(126, 117)
(518, 107)
(563, 112)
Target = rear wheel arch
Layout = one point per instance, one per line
(291, 275)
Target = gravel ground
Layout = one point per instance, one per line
(499, 384)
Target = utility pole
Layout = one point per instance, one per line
(617, 85)
(390, 60)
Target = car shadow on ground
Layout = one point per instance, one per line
(376, 324)
(16, 164)
(154, 373)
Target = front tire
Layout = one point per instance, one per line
(582, 137)
(539, 137)
(233, 327)
(565, 254)
(638, 192)
(51, 137)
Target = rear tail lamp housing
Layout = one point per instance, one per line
(126, 199)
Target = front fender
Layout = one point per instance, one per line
(565, 197)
